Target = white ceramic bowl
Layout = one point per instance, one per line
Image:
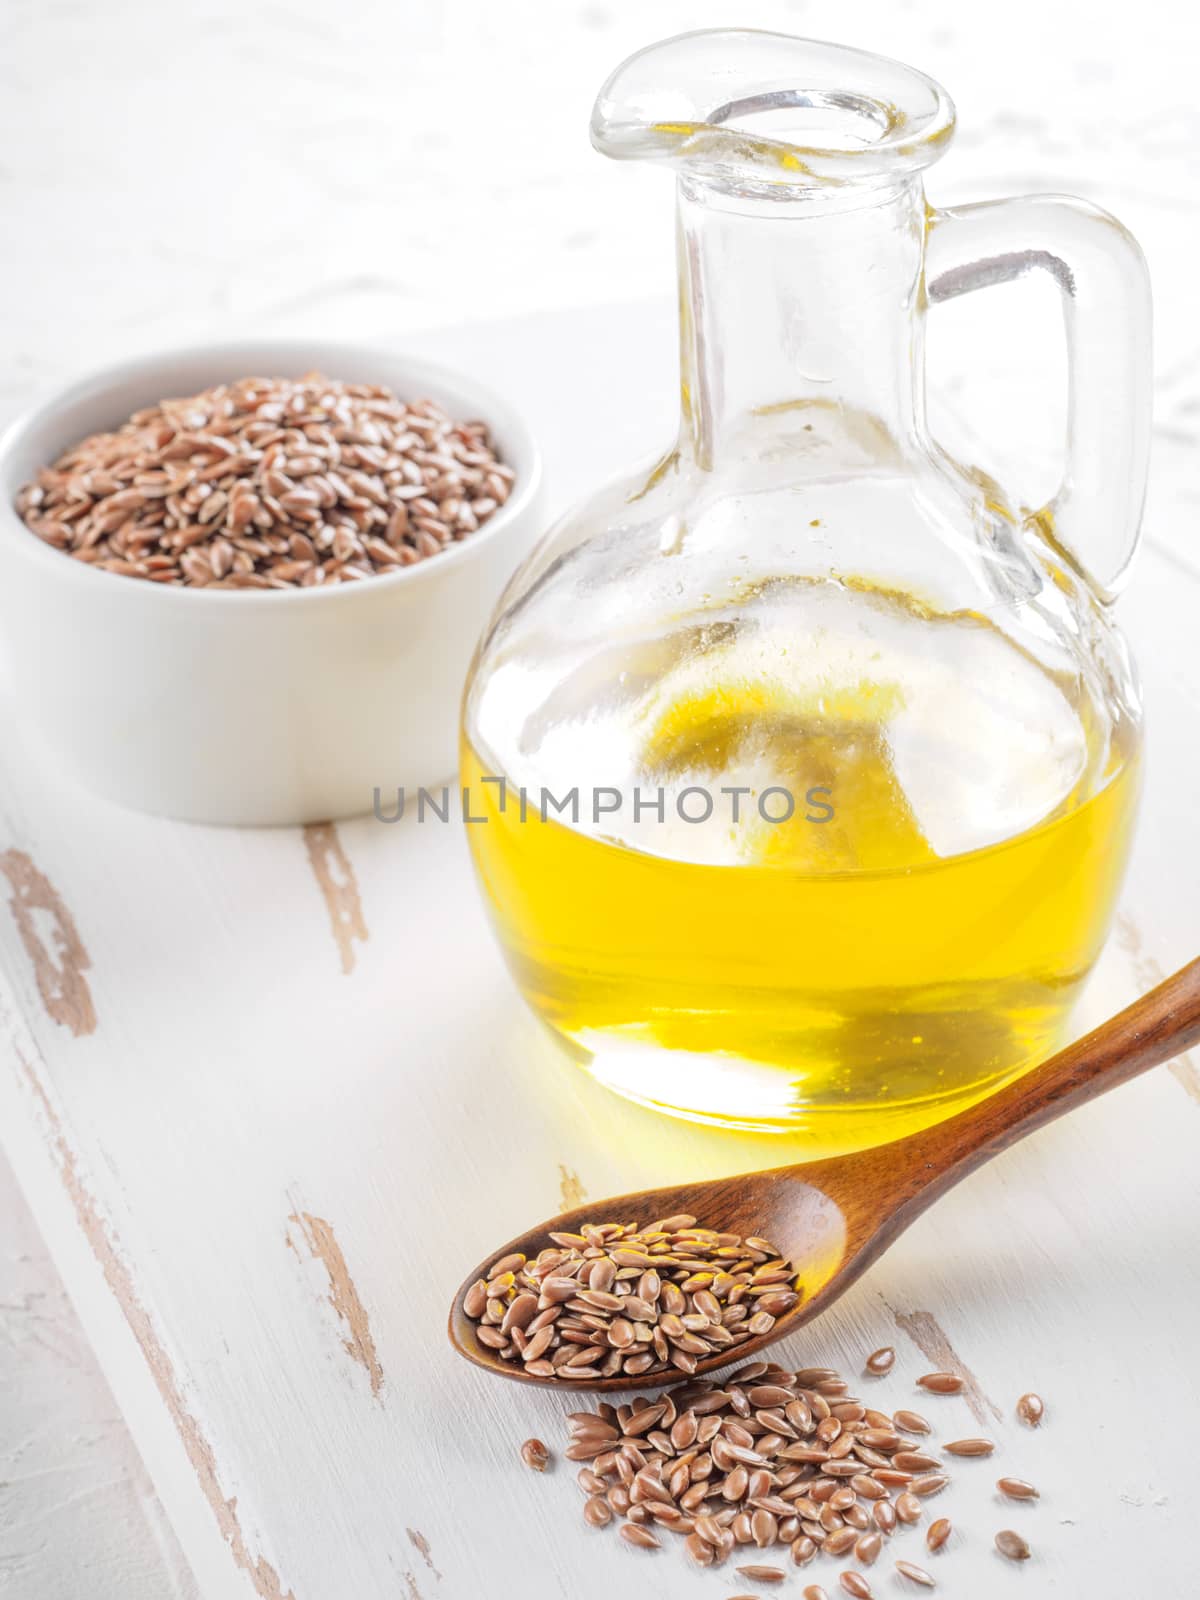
(251, 707)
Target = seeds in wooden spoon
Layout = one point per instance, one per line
(1031, 1408)
(1017, 1489)
(969, 1447)
(941, 1382)
(1012, 1545)
(915, 1574)
(534, 1454)
(937, 1533)
(881, 1361)
(616, 1299)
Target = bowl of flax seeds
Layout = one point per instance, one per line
(242, 584)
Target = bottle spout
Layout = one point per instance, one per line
(768, 113)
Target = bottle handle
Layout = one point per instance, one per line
(1094, 517)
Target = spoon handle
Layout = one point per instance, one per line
(1161, 1024)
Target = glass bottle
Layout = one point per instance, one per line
(852, 739)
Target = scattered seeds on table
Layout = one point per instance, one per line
(1012, 1545)
(937, 1533)
(269, 483)
(701, 1553)
(867, 1547)
(762, 1455)
(1031, 1408)
(911, 1422)
(534, 1454)
(881, 1361)
(597, 1512)
(1017, 1489)
(765, 1456)
(617, 1299)
(814, 1591)
(908, 1508)
(915, 1574)
(928, 1483)
(635, 1534)
(941, 1382)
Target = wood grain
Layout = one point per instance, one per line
(923, 1328)
(339, 889)
(320, 1241)
(119, 1278)
(421, 1544)
(52, 943)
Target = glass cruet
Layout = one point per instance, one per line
(808, 760)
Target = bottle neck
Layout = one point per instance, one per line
(788, 304)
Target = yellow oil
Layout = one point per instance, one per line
(834, 977)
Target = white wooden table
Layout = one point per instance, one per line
(295, 1425)
(270, 1092)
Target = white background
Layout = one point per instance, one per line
(170, 171)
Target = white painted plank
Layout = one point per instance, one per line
(75, 1493)
(238, 1079)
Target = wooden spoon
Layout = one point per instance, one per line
(833, 1218)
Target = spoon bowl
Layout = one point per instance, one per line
(832, 1218)
(782, 1204)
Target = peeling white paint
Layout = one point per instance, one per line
(400, 211)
